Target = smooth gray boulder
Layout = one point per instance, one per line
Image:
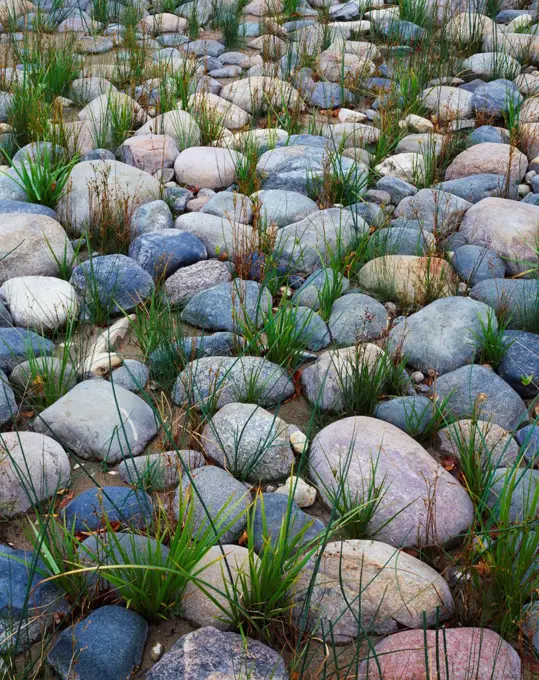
(98, 422)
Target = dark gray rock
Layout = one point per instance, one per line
(8, 405)
(357, 318)
(207, 654)
(492, 99)
(161, 253)
(226, 306)
(411, 414)
(474, 264)
(201, 48)
(479, 392)
(118, 281)
(88, 510)
(489, 133)
(17, 343)
(7, 206)
(528, 439)
(216, 493)
(325, 95)
(396, 188)
(475, 188)
(520, 365)
(312, 328)
(152, 216)
(6, 320)
(517, 300)
(108, 633)
(27, 605)
(178, 198)
(271, 511)
(308, 293)
(397, 239)
(159, 471)
(523, 484)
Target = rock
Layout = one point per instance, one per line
(443, 336)
(531, 624)
(258, 93)
(475, 188)
(408, 166)
(33, 468)
(43, 303)
(478, 392)
(227, 306)
(309, 243)
(223, 569)
(215, 492)
(230, 116)
(435, 210)
(152, 216)
(410, 414)
(357, 318)
(23, 208)
(6, 320)
(162, 23)
(474, 264)
(489, 133)
(117, 281)
(24, 619)
(308, 294)
(159, 471)
(284, 207)
(469, 652)
(132, 376)
(32, 245)
(187, 282)
(520, 365)
(109, 631)
(528, 439)
(495, 446)
(408, 279)
(520, 488)
(325, 382)
(303, 494)
(124, 185)
(249, 442)
(499, 159)
(300, 167)
(496, 98)
(88, 510)
(515, 299)
(230, 205)
(149, 153)
(231, 380)
(43, 370)
(208, 653)
(84, 90)
(176, 124)
(208, 167)
(396, 188)
(506, 227)
(161, 253)
(384, 587)
(8, 405)
(275, 511)
(311, 327)
(98, 422)
(16, 344)
(10, 186)
(222, 238)
(448, 103)
(422, 502)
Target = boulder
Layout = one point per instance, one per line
(32, 245)
(99, 422)
(32, 468)
(478, 392)
(249, 442)
(499, 159)
(421, 502)
(443, 336)
(207, 167)
(477, 653)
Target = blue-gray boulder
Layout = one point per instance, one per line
(479, 392)
(91, 509)
(357, 318)
(161, 253)
(474, 264)
(475, 188)
(8, 405)
(410, 414)
(520, 365)
(528, 439)
(117, 281)
(517, 300)
(108, 643)
(17, 343)
(152, 216)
